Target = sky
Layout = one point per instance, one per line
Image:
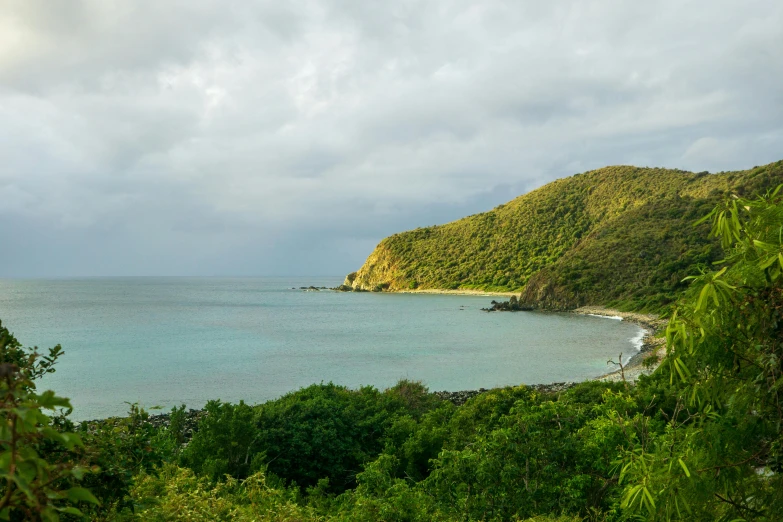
(242, 138)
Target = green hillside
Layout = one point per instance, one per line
(620, 236)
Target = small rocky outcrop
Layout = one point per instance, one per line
(348, 288)
(512, 305)
(461, 397)
(190, 426)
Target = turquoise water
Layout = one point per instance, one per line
(170, 341)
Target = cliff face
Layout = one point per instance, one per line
(378, 273)
(620, 235)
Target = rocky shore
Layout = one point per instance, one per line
(461, 397)
(512, 305)
(160, 420)
(193, 416)
(653, 349)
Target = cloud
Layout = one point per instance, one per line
(233, 137)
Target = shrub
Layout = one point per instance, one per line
(34, 486)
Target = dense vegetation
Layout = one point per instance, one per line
(621, 236)
(701, 439)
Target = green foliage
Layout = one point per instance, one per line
(178, 494)
(33, 487)
(28, 362)
(317, 432)
(176, 431)
(330, 431)
(719, 457)
(619, 236)
(380, 496)
(118, 449)
(546, 455)
(225, 443)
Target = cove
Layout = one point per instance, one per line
(170, 341)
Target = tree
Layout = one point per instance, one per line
(34, 488)
(720, 456)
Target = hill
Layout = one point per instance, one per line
(621, 236)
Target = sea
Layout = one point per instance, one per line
(166, 341)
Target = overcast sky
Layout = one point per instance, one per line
(202, 137)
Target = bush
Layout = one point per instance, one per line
(34, 456)
(322, 431)
(226, 443)
(178, 494)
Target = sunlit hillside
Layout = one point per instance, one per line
(622, 236)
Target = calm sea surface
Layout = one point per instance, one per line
(170, 341)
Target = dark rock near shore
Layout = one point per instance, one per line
(554, 387)
(458, 397)
(512, 305)
(193, 417)
(159, 421)
(190, 426)
(347, 288)
(461, 397)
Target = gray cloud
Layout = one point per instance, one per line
(206, 137)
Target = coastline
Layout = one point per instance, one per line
(652, 343)
(456, 292)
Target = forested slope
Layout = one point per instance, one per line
(619, 235)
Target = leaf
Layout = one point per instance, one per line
(764, 246)
(725, 285)
(631, 495)
(681, 369)
(49, 515)
(702, 297)
(71, 439)
(78, 494)
(766, 263)
(705, 218)
(649, 497)
(684, 468)
(50, 401)
(78, 472)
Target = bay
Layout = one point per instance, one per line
(170, 341)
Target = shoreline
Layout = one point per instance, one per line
(652, 343)
(479, 293)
